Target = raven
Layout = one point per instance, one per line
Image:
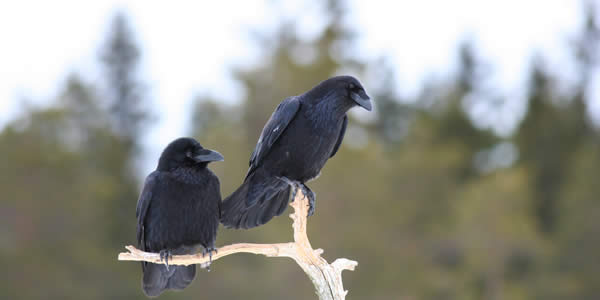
(301, 135)
(177, 213)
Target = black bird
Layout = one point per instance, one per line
(301, 135)
(178, 213)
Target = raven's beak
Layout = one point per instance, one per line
(207, 155)
(362, 99)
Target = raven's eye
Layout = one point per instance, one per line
(352, 86)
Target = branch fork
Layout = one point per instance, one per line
(327, 278)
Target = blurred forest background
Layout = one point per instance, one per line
(426, 194)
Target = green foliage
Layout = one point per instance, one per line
(70, 190)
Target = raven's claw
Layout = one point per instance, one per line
(209, 250)
(305, 190)
(295, 190)
(164, 255)
(294, 184)
(311, 199)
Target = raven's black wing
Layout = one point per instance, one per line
(142, 207)
(211, 210)
(281, 117)
(340, 137)
(217, 193)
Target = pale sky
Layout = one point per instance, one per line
(188, 46)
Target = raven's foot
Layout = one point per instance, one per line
(164, 256)
(294, 191)
(305, 190)
(293, 183)
(210, 251)
(311, 198)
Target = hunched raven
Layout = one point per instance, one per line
(177, 213)
(301, 135)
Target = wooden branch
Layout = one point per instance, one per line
(327, 278)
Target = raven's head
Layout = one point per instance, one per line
(349, 88)
(186, 152)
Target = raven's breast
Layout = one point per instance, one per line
(181, 214)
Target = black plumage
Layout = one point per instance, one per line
(178, 213)
(299, 138)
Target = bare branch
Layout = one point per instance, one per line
(327, 278)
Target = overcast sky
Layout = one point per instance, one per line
(188, 46)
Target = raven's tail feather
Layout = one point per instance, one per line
(157, 279)
(256, 201)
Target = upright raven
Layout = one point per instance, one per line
(301, 135)
(177, 213)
